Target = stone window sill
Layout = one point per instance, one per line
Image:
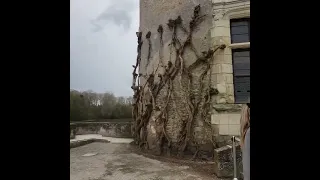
(240, 45)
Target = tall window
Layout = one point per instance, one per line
(240, 43)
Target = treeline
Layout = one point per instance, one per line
(89, 105)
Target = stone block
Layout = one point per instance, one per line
(223, 119)
(214, 78)
(226, 78)
(221, 87)
(234, 119)
(234, 129)
(219, 40)
(222, 68)
(216, 69)
(222, 59)
(230, 99)
(223, 161)
(226, 68)
(230, 89)
(220, 31)
(221, 100)
(221, 23)
(223, 129)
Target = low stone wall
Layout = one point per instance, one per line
(74, 144)
(223, 161)
(108, 129)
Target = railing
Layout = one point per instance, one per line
(234, 152)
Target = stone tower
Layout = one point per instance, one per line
(192, 73)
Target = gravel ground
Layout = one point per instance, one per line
(109, 161)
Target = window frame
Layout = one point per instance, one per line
(239, 76)
(246, 19)
(238, 47)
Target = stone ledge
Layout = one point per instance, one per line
(223, 161)
(107, 129)
(227, 107)
(74, 144)
(228, 2)
(240, 45)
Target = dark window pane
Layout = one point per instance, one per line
(241, 89)
(239, 30)
(245, 53)
(241, 66)
(241, 72)
(241, 59)
(240, 38)
(243, 79)
(241, 22)
(242, 98)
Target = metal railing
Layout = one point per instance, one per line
(234, 152)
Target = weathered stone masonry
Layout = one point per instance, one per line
(212, 124)
(225, 116)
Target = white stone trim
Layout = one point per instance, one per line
(227, 124)
(228, 2)
(222, 12)
(240, 45)
(232, 10)
(243, 12)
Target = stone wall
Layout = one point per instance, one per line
(225, 122)
(211, 33)
(225, 118)
(223, 12)
(77, 143)
(110, 129)
(153, 14)
(225, 115)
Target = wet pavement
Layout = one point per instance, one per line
(116, 161)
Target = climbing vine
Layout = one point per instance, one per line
(145, 95)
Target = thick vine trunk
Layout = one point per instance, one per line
(146, 96)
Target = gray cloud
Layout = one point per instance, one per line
(101, 60)
(118, 12)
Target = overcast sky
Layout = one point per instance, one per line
(103, 45)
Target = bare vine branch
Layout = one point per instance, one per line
(195, 103)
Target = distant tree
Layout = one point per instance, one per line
(89, 105)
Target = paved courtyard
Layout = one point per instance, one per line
(115, 161)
